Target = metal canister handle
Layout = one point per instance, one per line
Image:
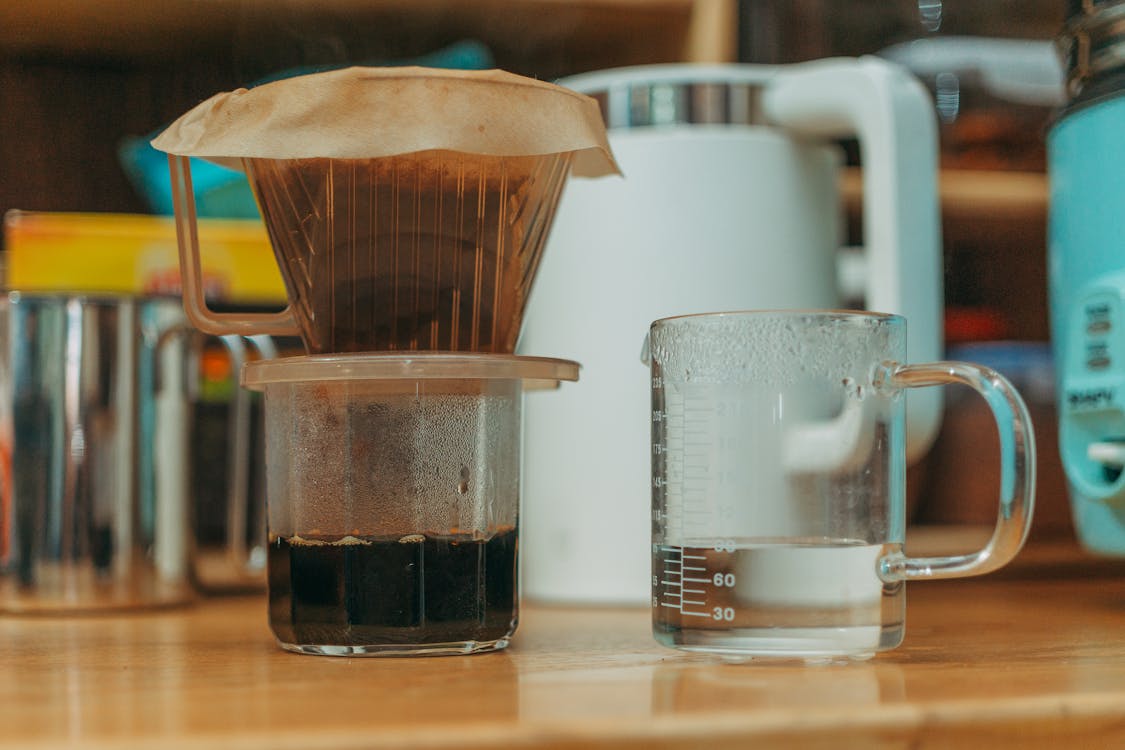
(243, 558)
(171, 550)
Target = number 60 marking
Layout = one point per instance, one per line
(723, 579)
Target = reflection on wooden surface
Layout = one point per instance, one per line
(1037, 654)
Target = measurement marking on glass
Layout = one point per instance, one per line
(690, 504)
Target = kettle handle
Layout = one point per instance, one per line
(191, 273)
(892, 115)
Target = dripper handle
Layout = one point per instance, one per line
(191, 272)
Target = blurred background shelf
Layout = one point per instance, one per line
(598, 31)
(980, 195)
(993, 195)
(78, 76)
(994, 227)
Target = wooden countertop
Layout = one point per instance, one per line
(1032, 657)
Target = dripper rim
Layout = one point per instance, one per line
(414, 365)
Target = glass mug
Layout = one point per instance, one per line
(393, 495)
(778, 472)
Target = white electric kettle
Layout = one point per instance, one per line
(730, 201)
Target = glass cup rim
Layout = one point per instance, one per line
(783, 313)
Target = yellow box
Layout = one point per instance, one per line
(137, 254)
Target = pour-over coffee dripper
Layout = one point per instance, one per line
(432, 250)
(425, 251)
(388, 240)
(407, 210)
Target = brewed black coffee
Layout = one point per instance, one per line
(371, 591)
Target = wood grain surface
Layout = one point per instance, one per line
(1032, 658)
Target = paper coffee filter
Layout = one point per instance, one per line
(364, 113)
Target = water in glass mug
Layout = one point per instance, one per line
(742, 592)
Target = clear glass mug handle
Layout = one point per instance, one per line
(1017, 469)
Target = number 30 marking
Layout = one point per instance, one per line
(723, 614)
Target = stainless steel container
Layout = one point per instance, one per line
(228, 503)
(93, 453)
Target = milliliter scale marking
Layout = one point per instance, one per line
(675, 584)
(683, 581)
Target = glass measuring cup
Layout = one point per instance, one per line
(778, 472)
(392, 485)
